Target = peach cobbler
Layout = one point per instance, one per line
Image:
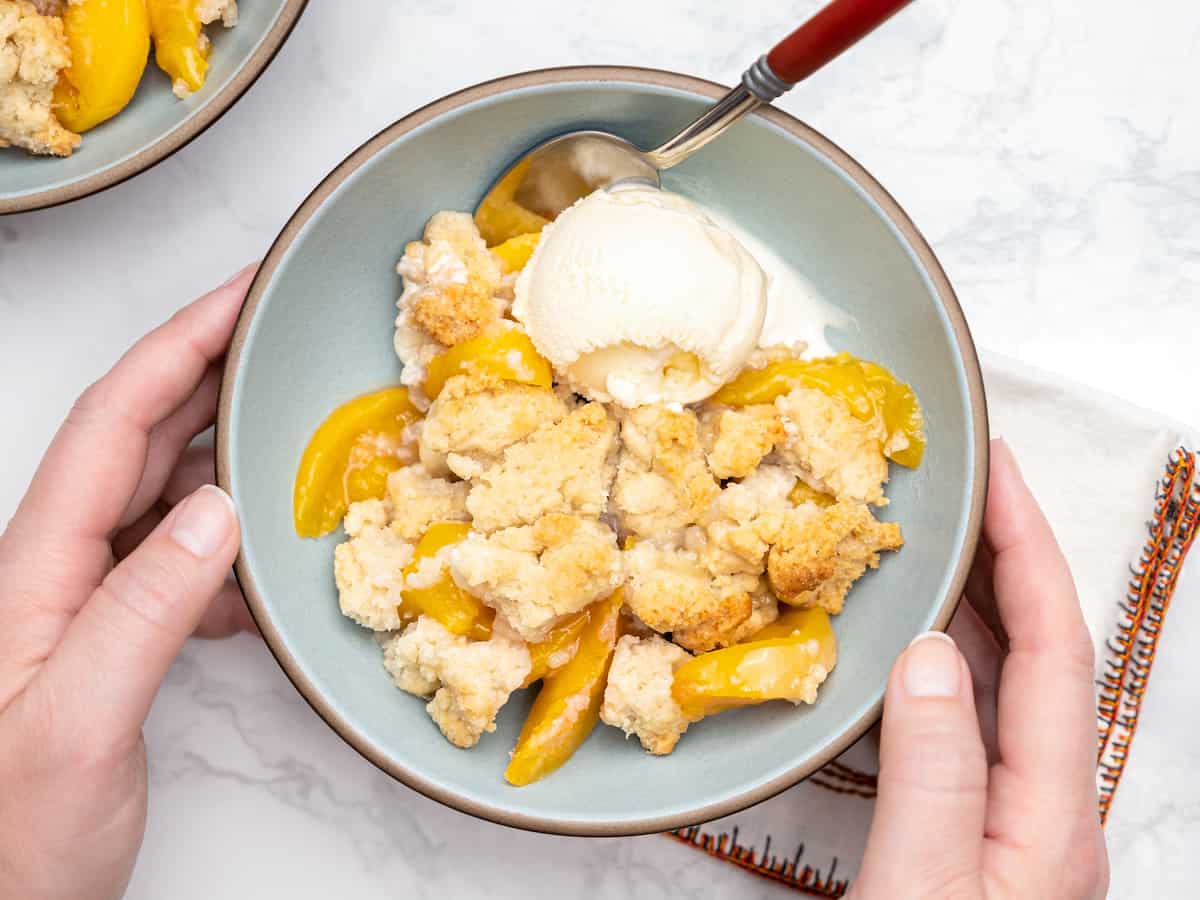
(68, 65)
(593, 476)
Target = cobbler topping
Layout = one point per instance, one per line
(638, 697)
(468, 681)
(564, 467)
(663, 483)
(813, 563)
(476, 417)
(418, 500)
(736, 440)
(830, 449)
(450, 280)
(366, 568)
(536, 574)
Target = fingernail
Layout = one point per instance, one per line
(204, 521)
(931, 666)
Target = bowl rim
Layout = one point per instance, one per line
(657, 78)
(177, 138)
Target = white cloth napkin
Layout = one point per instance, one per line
(1095, 464)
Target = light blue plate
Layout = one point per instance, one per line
(317, 330)
(156, 123)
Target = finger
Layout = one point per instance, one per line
(105, 672)
(981, 594)
(983, 656)
(927, 834)
(95, 462)
(1043, 803)
(196, 468)
(226, 615)
(1050, 657)
(168, 441)
(127, 540)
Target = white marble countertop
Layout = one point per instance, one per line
(1047, 150)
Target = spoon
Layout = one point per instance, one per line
(561, 170)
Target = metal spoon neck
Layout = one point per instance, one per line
(759, 85)
(711, 125)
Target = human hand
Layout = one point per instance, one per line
(118, 552)
(987, 783)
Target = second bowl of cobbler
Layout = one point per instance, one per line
(612, 523)
(93, 92)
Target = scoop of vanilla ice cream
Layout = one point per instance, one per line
(636, 296)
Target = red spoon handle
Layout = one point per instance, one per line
(835, 28)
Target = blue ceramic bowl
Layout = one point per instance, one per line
(317, 330)
(156, 123)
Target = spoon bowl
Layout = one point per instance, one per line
(571, 166)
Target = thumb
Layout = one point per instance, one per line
(120, 645)
(926, 839)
